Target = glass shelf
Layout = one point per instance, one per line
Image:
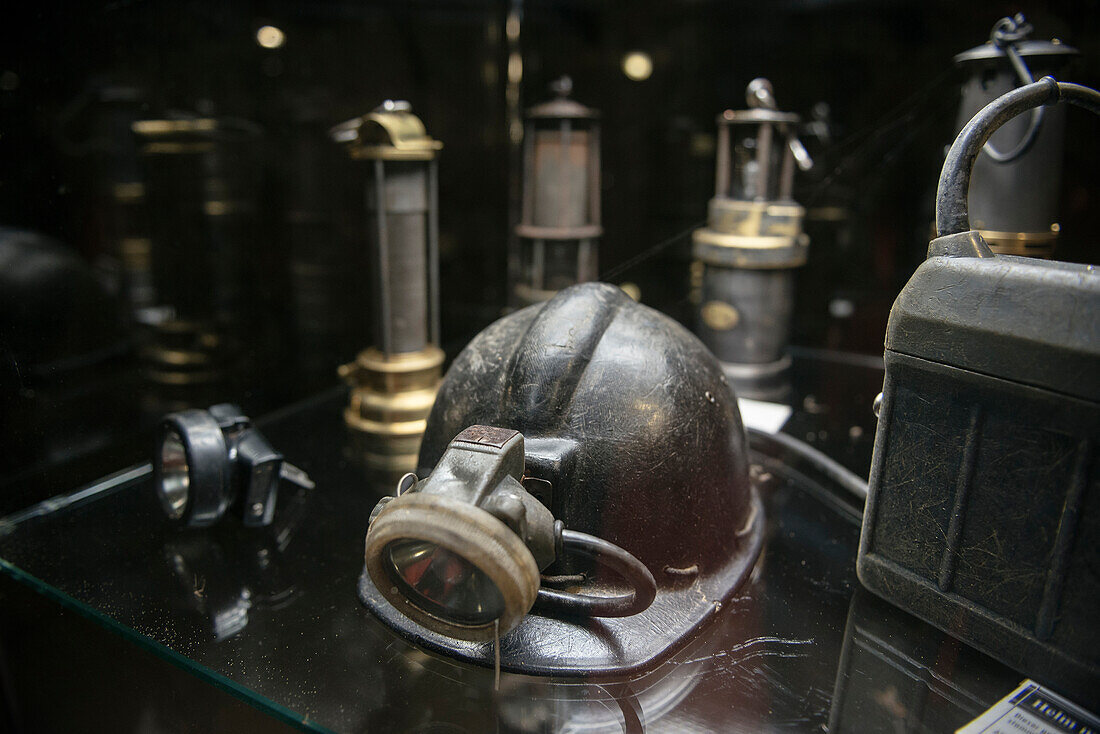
(272, 614)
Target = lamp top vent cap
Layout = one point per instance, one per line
(389, 132)
(563, 106)
(1016, 31)
(760, 98)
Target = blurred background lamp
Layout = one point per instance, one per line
(1015, 214)
(559, 229)
(751, 244)
(394, 381)
(209, 461)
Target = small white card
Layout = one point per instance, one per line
(1032, 709)
(767, 417)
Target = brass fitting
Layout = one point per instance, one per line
(1026, 244)
(752, 234)
(391, 397)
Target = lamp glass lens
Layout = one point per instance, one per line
(443, 583)
(175, 477)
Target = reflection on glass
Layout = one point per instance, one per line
(270, 37)
(443, 583)
(229, 620)
(638, 66)
(175, 478)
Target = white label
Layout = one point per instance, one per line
(766, 417)
(1032, 709)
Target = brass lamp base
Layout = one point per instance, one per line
(391, 397)
(1028, 244)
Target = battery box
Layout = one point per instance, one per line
(983, 515)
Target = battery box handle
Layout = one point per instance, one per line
(952, 207)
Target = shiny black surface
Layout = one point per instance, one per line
(631, 421)
(272, 615)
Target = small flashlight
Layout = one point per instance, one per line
(209, 461)
(461, 552)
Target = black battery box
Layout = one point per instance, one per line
(983, 513)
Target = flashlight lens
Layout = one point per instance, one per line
(175, 482)
(443, 583)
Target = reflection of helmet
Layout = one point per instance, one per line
(55, 314)
(634, 432)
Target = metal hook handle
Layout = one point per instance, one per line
(622, 562)
(1006, 33)
(952, 207)
(759, 94)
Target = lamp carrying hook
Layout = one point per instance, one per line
(759, 95)
(1006, 33)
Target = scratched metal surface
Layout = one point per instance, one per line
(273, 615)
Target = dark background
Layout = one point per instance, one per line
(884, 68)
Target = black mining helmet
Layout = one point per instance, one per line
(586, 495)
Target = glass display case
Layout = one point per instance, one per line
(186, 221)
